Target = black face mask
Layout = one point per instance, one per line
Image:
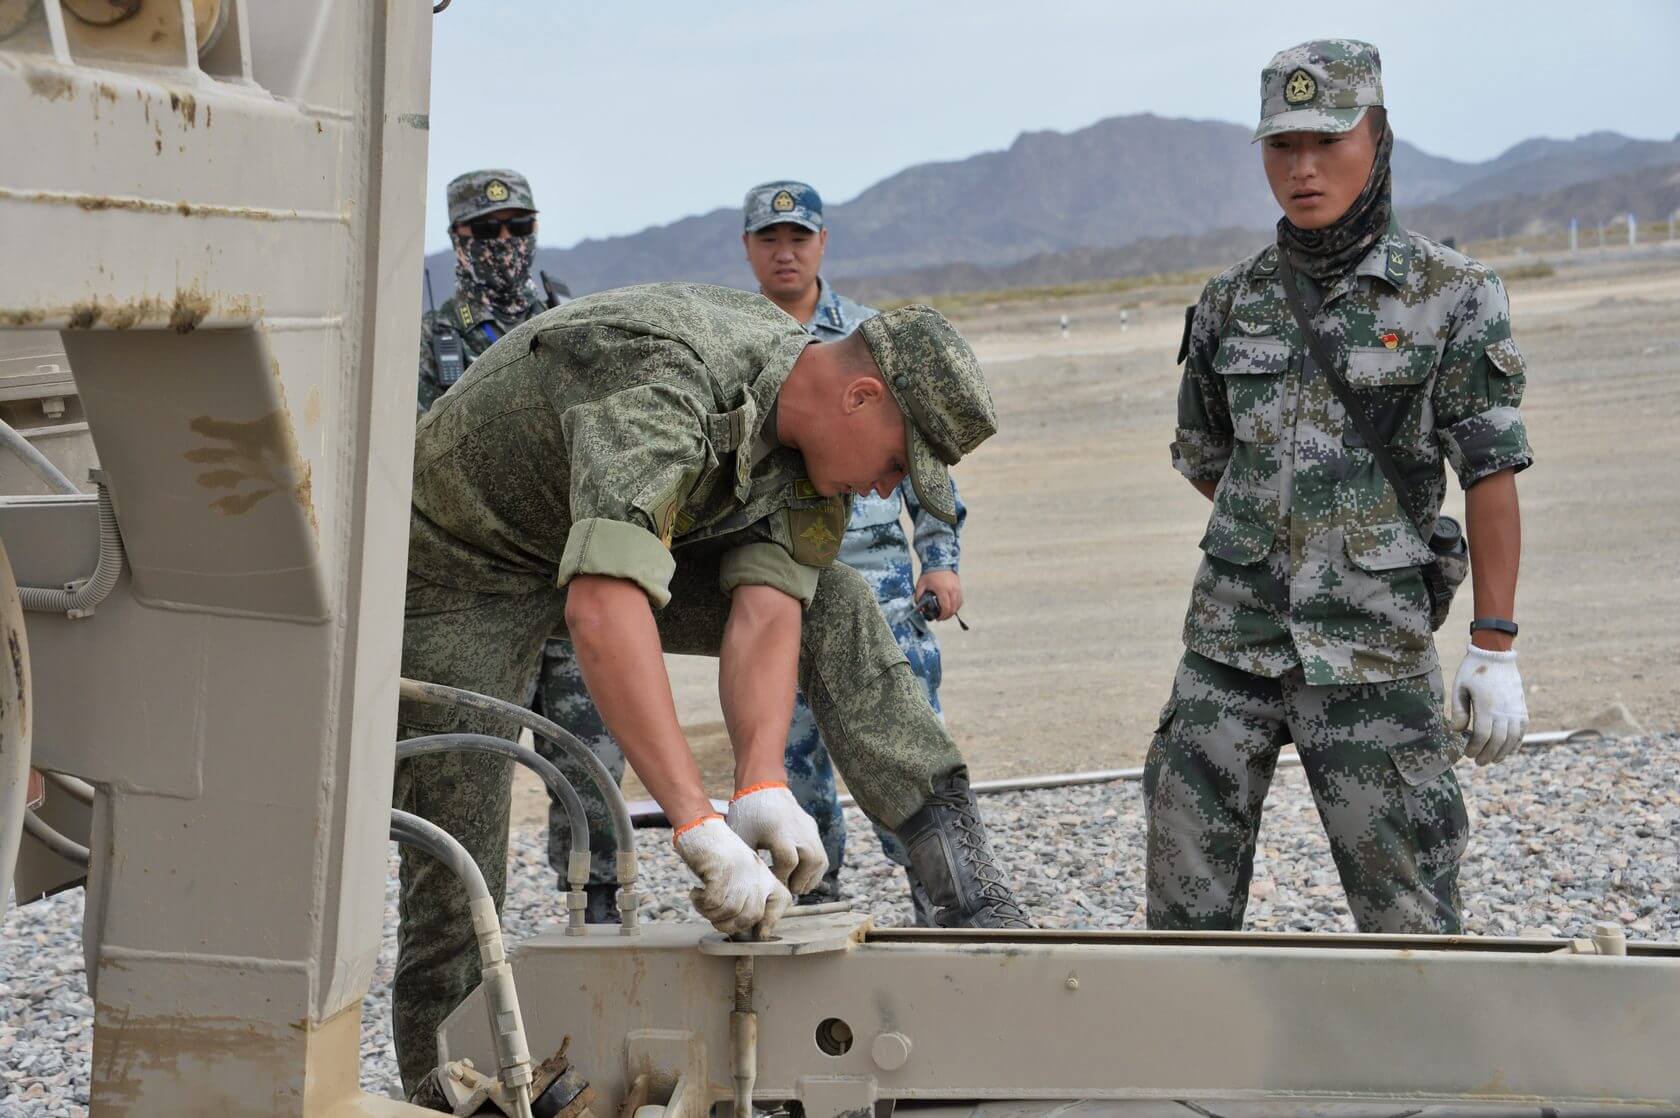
(1335, 249)
(495, 272)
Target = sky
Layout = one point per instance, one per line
(632, 113)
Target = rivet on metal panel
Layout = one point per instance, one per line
(1072, 982)
(890, 1051)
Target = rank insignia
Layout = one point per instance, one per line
(496, 190)
(1390, 340)
(467, 320)
(783, 202)
(1300, 88)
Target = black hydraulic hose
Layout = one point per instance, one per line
(559, 788)
(438, 694)
(71, 851)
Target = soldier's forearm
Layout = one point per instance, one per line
(1494, 525)
(617, 645)
(758, 668)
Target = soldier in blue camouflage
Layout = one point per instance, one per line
(493, 229)
(1310, 617)
(785, 236)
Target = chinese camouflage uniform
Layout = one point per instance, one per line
(591, 440)
(1309, 620)
(451, 338)
(874, 545)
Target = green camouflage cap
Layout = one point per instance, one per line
(477, 193)
(1322, 86)
(936, 379)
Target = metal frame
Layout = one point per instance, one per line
(1101, 1015)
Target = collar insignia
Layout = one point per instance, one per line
(1299, 89)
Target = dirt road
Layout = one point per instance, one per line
(1081, 541)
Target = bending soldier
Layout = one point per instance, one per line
(1311, 615)
(667, 469)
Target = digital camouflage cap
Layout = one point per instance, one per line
(1322, 86)
(936, 379)
(477, 193)
(785, 200)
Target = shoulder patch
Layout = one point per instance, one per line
(1184, 342)
(816, 532)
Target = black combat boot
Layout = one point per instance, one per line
(951, 859)
(920, 903)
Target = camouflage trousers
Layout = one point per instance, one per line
(811, 773)
(559, 695)
(1378, 757)
(873, 713)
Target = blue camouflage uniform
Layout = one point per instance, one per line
(874, 545)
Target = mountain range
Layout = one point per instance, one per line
(1126, 195)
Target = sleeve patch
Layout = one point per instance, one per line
(816, 532)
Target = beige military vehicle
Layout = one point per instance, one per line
(211, 213)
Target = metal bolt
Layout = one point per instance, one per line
(1072, 982)
(890, 1051)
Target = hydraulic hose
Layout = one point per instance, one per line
(507, 1027)
(624, 836)
(68, 849)
(89, 592)
(559, 788)
(39, 464)
(79, 790)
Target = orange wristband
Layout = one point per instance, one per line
(759, 787)
(689, 826)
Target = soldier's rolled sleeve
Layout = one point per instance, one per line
(1203, 436)
(598, 546)
(763, 563)
(938, 544)
(1479, 388)
(635, 456)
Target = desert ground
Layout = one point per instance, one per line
(1081, 539)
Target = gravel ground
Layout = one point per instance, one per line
(1562, 837)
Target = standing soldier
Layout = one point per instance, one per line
(1312, 612)
(785, 238)
(493, 228)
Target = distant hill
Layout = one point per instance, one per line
(1116, 198)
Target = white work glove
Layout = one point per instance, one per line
(1487, 700)
(737, 891)
(767, 817)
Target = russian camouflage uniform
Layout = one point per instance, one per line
(623, 435)
(1309, 617)
(875, 546)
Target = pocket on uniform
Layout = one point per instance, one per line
(1253, 370)
(1434, 802)
(1243, 525)
(1385, 547)
(1386, 381)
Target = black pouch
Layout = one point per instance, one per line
(1447, 573)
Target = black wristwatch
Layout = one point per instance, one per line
(1494, 624)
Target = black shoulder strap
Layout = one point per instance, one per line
(1344, 391)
